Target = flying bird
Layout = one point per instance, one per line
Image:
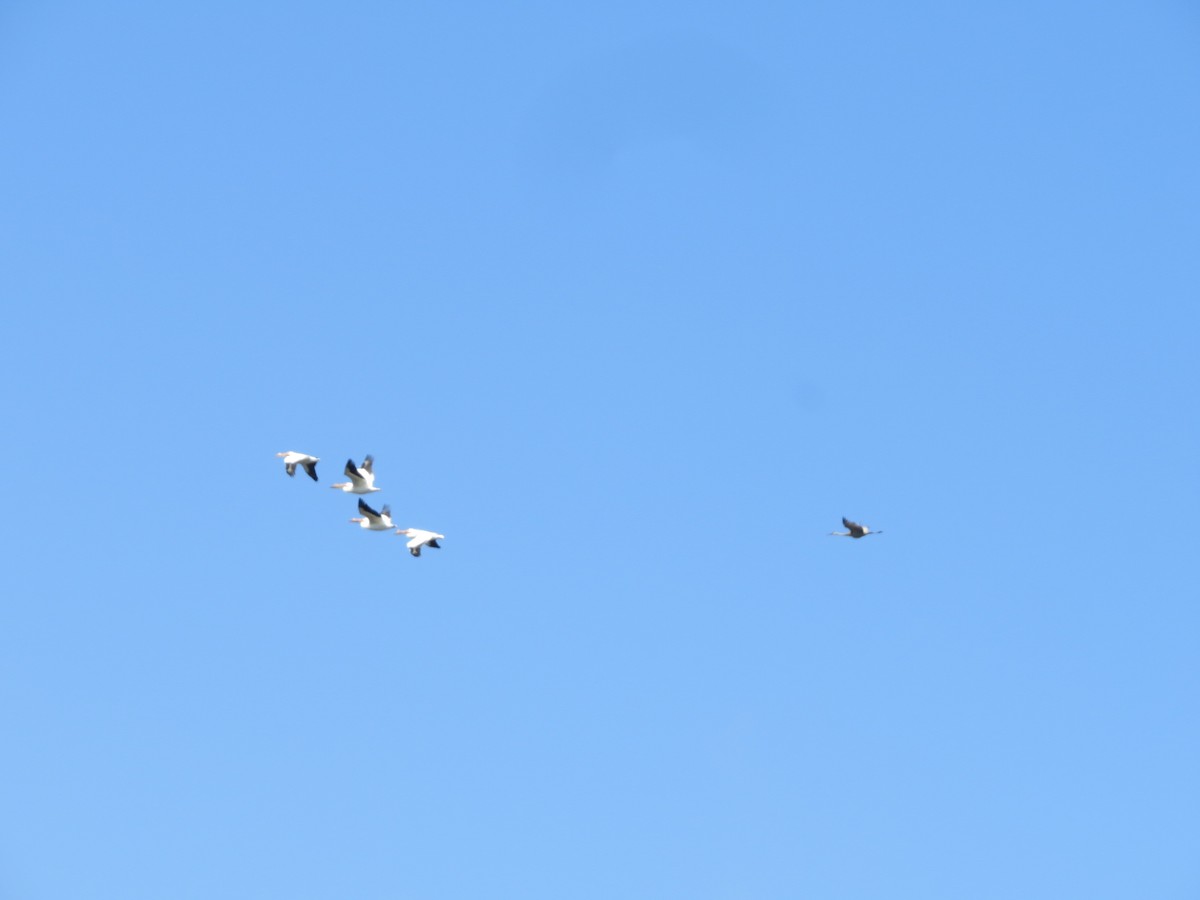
(420, 538)
(856, 530)
(374, 521)
(291, 459)
(362, 478)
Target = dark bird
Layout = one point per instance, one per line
(856, 530)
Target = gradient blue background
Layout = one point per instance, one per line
(633, 304)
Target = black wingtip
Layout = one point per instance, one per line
(435, 545)
(311, 469)
(366, 510)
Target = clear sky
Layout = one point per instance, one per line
(633, 303)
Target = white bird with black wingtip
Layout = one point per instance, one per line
(374, 521)
(292, 458)
(419, 538)
(362, 478)
(856, 530)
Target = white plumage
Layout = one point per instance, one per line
(419, 538)
(374, 521)
(292, 458)
(362, 478)
(362, 481)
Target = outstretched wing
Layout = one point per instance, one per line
(356, 476)
(849, 524)
(368, 463)
(435, 545)
(311, 469)
(366, 510)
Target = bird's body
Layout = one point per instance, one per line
(292, 458)
(362, 478)
(374, 521)
(419, 538)
(856, 530)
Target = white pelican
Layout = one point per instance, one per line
(362, 478)
(420, 538)
(291, 459)
(856, 530)
(374, 521)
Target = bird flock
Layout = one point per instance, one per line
(362, 481)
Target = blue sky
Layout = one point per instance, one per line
(632, 304)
